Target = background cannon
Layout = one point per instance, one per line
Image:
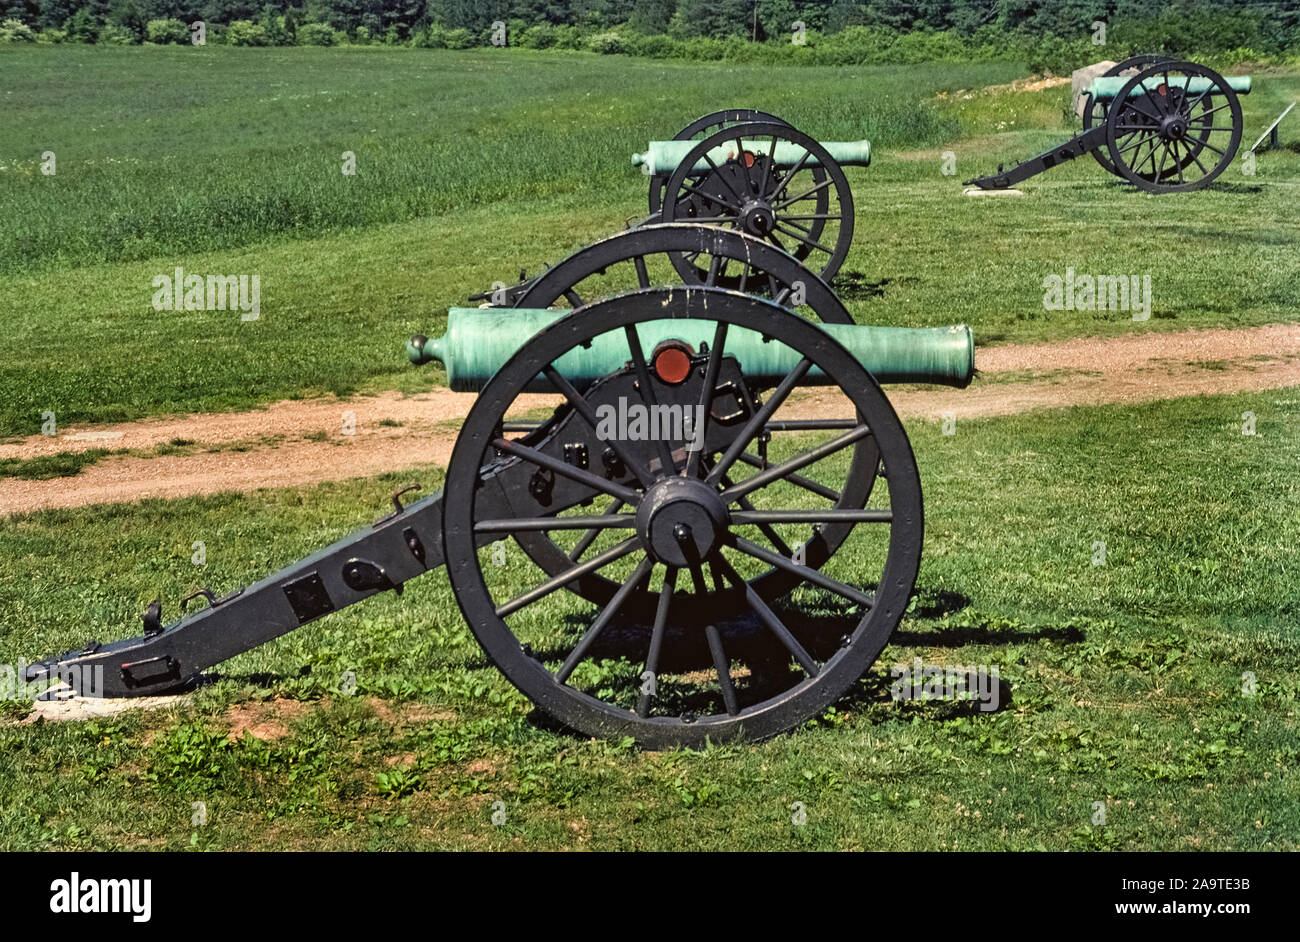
(738, 593)
(1168, 127)
(752, 172)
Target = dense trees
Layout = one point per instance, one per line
(1265, 25)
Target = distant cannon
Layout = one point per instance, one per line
(750, 171)
(1163, 125)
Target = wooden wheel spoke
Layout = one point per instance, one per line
(648, 397)
(711, 198)
(642, 275)
(777, 207)
(788, 176)
(808, 484)
(777, 472)
(759, 419)
(576, 656)
(657, 639)
(723, 180)
(723, 666)
(815, 576)
(612, 521)
(583, 408)
(772, 623)
(590, 536)
(764, 526)
(806, 241)
(630, 545)
(711, 371)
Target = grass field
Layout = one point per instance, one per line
(1162, 683)
(1125, 680)
(229, 161)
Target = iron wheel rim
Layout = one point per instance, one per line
(833, 199)
(706, 124)
(1134, 137)
(805, 698)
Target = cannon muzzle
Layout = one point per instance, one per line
(479, 341)
(663, 157)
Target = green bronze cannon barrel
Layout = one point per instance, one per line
(1107, 87)
(480, 340)
(663, 157)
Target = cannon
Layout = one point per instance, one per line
(753, 172)
(686, 549)
(758, 174)
(1163, 125)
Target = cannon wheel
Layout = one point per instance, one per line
(1094, 112)
(706, 125)
(718, 662)
(750, 194)
(645, 252)
(1148, 139)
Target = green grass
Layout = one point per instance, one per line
(1125, 680)
(251, 141)
(58, 465)
(471, 166)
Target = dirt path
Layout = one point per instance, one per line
(302, 442)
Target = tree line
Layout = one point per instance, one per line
(1270, 27)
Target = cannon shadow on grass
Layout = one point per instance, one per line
(820, 620)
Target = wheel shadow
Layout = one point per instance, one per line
(822, 622)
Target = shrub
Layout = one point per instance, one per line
(341, 37)
(459, 39)
(1060, 57)
(276, 32)
(607, 44)
(362, 37)
(51, 36)
(1232, 58)
(657, 46)
(162, 32)
(915, 47)
(567, 37)
(542, 36)
(431, 37)
(111, 34)
(245, 33)
(315, 34)
(82, 27)
(16, 31)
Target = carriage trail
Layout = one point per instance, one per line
(297, 442)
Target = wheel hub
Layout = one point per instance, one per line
(1173, 127)
(681, 521)
(757, 218)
